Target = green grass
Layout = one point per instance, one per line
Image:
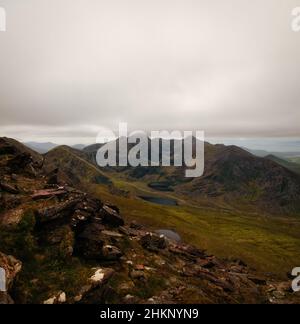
(45, 275)
(45, 270)
(149, 288)
(19, 241)
(295, 160)
(265, 242)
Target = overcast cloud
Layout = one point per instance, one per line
(228, 67)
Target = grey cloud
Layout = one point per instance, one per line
(229, 67)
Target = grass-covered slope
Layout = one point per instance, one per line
(74, 165)
(236, 210)
(286, 163)
(266, 242)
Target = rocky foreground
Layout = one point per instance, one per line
(60, 245)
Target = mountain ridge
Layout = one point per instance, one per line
(63, 245)
(231, 172)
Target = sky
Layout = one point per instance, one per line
(70, 67)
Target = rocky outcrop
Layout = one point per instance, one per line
(111, 217)
(90, 242)
(60, 211)
(153, 242)
(11, 148)
(149, 268)
(59, 298)
(81, 224)
(97, 243)
(63, 238)
(20, 162)
(49, 193)
(111, 253)
(9, 269)
(9, 188)
(77, 249)
(95, 287)
(186, 251)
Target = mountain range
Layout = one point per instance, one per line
(64, 222)
(230, 173)
(43, 148)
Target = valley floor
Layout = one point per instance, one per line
(266, 242)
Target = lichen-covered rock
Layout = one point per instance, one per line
(90, 242)
(111, 253)
(95, 285)
(96, 243)
(187, 251)
(101, 276)
(153, 242)
(111, 217)
(62, 238)
(10, 267)
(59, 211)
(59, 298)
(9, 201)
(20, 161)
(11, 217)
(9, 188)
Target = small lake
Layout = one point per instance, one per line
(170, 235)
(160, 200)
